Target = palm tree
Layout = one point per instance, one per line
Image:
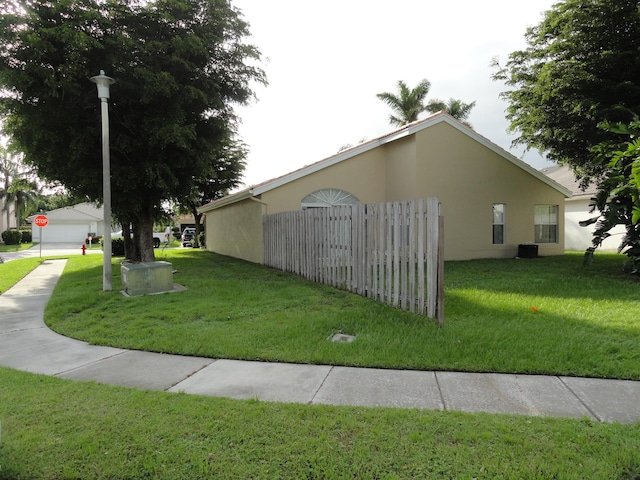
(408, 103)
(23, 193)
(8, 171)
(15, 186)
(456, 108)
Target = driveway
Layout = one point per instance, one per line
(49, 250)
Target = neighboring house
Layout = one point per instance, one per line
(184, 221)
(576, 209)
(491, 201)
(70, 224)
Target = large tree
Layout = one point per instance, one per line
(408, 103)
(179, 66)
(581, 67)
(581, 70)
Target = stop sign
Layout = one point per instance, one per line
(41, 221)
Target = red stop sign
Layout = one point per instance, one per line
(41, 221)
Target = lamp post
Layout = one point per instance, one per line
(103, 83)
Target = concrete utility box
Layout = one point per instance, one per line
(143, 278)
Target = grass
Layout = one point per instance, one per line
(55, 429)
(584, 321)
(15, 248)
(14, 271)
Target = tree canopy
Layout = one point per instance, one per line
(212, 187)
(581, 67)
(180, 66)
(576, 88)
(617, 200)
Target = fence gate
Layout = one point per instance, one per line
(391, 252)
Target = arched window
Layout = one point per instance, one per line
(328, 197)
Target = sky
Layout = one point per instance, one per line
(326, 61)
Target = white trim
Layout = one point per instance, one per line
(229, 199)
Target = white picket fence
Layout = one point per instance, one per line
(390, 252)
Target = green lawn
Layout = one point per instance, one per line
(585, 322)
(54, 428)
(59, 429)
(15, 248)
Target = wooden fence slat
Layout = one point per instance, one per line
(389, 254)
(421, 257)
(382, 228)
(396, 253)
(432, 256)
(411, 258)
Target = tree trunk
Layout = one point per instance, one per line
(143, 236)
(131, 252)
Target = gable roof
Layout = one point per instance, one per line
(565, 177)
(402, 132)
(81, 212)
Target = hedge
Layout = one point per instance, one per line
(12, 237)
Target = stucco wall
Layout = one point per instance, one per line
(362, 176)
(236, 230)
(579, 238)
(400, 170)
(469, 178)
(441, 161)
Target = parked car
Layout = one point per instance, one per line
(158, 238)
(188, 236)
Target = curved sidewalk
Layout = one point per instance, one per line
(27, 344)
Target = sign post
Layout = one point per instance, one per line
(41, 221)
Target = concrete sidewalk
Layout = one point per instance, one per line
(48, 250)
(27, 344)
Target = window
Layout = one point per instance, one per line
(328, 197)
(546, 224)
(498, 223)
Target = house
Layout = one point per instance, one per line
(70, 224)
(492, 202)
(576, 209)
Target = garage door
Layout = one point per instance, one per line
(61, 233)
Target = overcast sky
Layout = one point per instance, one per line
(325, 62)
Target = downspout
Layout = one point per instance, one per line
(266, 212)
(266, 205)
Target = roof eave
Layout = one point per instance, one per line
(229, 199)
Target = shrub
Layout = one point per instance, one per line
(12, 237)
(201, 239)
(26, 236)
(176, 233)
(117, 246)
